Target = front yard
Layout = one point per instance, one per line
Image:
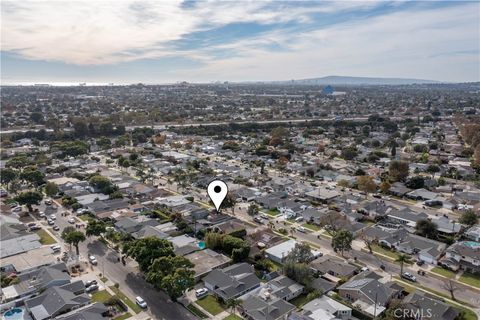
(101, 296)
(443, 272)
(471, 279)
(45, 237)
(312, 227)
(132, 305)
(211, 305)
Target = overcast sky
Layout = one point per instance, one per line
(201, 41)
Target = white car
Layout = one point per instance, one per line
(17, 209)
(139, 300)
(71, 220)
(50, 222)
(302, 229)
(201, 292)
(93, 260)
(53, 216)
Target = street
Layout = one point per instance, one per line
(159, 304)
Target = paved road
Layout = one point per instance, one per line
(159, 304)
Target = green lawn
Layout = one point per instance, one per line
(123, 316)
(132, 305)
(325, 235)
(471, 279)
(272, 212)
(385, 252)
(101, 296)
(45, 237)
(197, 312)
(443, 272)
(312, 227)
(233, 317)
(211, 305)
(85, 217)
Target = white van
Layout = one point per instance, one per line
(56, 248)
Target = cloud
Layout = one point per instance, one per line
(279, 39)
(106, 32)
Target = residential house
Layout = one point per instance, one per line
(322, 195)
(233, 281)
(325, 308)
(205, 261)
(278, 252)
(332, 266)
(57, 300)
(427, 250)
(464, 255)
(405, 217)
(424, 305)
(366, 291)
(473, 233)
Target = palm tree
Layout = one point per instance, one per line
(233, 304)
(402, 258)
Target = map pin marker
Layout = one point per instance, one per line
(217, 191)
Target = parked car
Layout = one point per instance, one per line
(48, 202)
(91, 288)
(301, 229)
(31, 224)
(56, 228)
(93, 260)
(17, 209)
(258, 220)
(409, 276)
(50, 222)
(56, 248)
(13, 205)
(298, 219)
(364, 269)
(201, 292)
(34, 227)
(71, 221)
(420, 262)
(139, 300)
(42, 214)
(90, 282)
(53, 216)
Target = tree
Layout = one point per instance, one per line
(468, 218)
(233, 304)
(73, 237)
(416, 182)
(163, 266)
(36, 117)
(393, 151)
(95, 228)
(398, 170)
(301, 253)
(343, 183)
(7, 175)
(433, 168)
(385, 186)
(451, 287)
(29, 198)
(402, 258)
(146, 250)
(102, 184)
(51, 189)
(175, 284)
(229, 202)
(33, 176)
(299, 272)
(252, 210)
(342, 241)
(80, 128)
(426, 228)
(349, 153)
(366, 184)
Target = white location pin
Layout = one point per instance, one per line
(217, 191)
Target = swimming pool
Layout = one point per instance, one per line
(13, 314)
(201, 245)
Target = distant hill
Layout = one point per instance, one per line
(339, 80)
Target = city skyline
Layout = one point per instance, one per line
(127, 42)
